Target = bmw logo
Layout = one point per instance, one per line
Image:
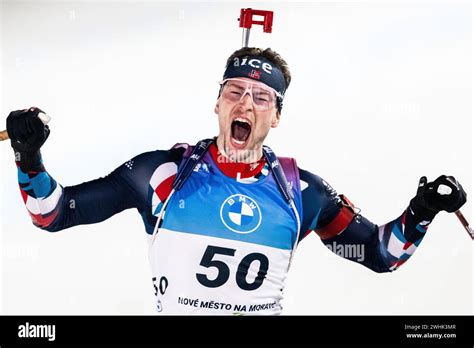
(241, 214)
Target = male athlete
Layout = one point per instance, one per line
(223, 218)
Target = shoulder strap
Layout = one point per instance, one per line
(290, 168)
(190, 163)
(285, 187)
(278, 173)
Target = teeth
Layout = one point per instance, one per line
(238, 141)
(243, 120)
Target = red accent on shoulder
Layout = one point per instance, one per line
(164, 188)
(337, 225)
(340, 222)
(346, 201)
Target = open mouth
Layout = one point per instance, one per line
(240, 130)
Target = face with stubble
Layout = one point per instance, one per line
(246, 110)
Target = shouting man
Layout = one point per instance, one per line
(224, 217)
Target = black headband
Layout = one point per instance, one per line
(259, 69)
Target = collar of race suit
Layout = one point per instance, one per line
(232, 169)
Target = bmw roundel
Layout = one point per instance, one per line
(241, 214)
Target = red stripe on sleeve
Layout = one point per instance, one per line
(338, 225)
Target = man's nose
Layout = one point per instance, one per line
(247, 101)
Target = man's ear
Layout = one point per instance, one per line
(276, 120)
(216, 108)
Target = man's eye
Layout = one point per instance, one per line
(235, 93)
(263, 97)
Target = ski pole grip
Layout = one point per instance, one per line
(464, 222)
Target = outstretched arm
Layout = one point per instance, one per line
(381, 248)
(54, 208)
(51, 206)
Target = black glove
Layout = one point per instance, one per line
(26, 130)
(428, 201)
(27, 134)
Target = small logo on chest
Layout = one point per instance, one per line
(241, 214)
